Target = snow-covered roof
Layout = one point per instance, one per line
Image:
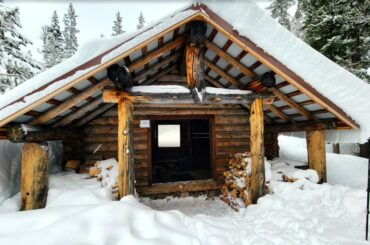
(320, 86)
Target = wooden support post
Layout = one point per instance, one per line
(336, 148)
(125, 148)
(316, 153)
(194, 67)
(34, 182)
(257, 150)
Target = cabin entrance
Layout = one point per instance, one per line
(181, 150)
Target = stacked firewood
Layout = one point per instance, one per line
(104, 171)
(236, 189)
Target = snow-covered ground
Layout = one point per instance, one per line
(80, 210)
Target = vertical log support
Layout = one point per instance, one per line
(34, 182)
(125, 148)
(257, 150)
(316, 153)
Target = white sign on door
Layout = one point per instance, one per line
(144, 123)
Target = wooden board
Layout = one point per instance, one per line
(179, 187)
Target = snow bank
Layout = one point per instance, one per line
(341, 169)
(10, 165)
(312, 214)
(342, 87)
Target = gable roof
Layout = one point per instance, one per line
(233, 26)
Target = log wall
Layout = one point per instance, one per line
(230, 134)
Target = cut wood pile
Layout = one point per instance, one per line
(104, 171)
(236, 190)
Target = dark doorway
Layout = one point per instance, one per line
(180, 150)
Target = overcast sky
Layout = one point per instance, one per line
(94, 17)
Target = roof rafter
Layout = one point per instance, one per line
(45, 117)
(80, 112)
(222, 73)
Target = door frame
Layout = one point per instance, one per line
(211, 120)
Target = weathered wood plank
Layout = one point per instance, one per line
(186, 186)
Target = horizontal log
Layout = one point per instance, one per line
(232, 120)
(188, 112)
(24, 133)
(232, 127)
(176, 187)
(180, 98)
(303, 126)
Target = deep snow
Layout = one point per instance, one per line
(80, 211)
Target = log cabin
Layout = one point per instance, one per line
(174, 100)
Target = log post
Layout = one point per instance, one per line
(34, 182)
(257, 150)
(125, 148)
(316, 153)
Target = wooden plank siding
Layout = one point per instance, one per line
(230, 134)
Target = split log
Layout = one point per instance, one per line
(316, 153)
(34, 182)
(73, 165)
(25, 133)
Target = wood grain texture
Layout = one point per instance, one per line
(257, 150)
(34, 181)
(125, 148)
(316, 153)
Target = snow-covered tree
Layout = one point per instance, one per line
(297, 21)
(70, 32)
(117, 25)
(54, 44)
(341, 31)
(141, 21)
(16, 64)
(279, 11)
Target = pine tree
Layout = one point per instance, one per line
(279, 11)
(16, 65)
(70, 32)
(54, 43)
(141, 21)
(341, 31)
(117, 25)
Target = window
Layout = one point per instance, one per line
(169, 135)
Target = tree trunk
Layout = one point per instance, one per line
(34, 183)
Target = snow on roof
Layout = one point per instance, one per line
(337, 84)
(108, 47)
(160, 89)
(212, 90)
(343, 88)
